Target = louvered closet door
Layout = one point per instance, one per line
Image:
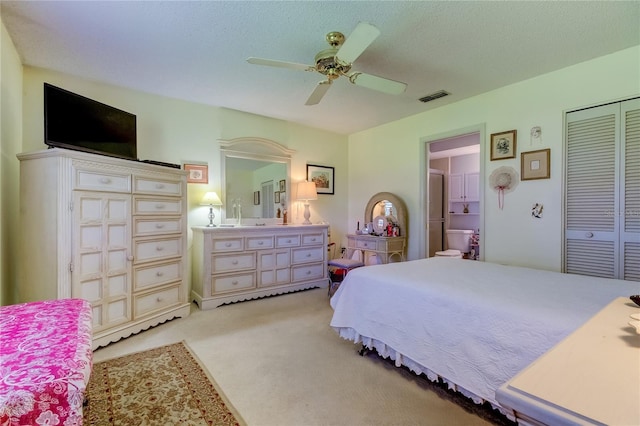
(631, 201)
(602, 210)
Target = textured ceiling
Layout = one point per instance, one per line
(197, 51)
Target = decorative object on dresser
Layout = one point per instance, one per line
(382, 210)
(248, 262)
(116, 237)
(211, 199)
(307, 192)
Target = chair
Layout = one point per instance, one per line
(342, 267)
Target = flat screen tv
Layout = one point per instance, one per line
(75, 122)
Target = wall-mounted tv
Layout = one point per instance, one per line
(75, 122)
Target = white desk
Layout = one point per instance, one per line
(591, 377)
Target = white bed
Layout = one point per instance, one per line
(473, 324)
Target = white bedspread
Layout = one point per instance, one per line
(475, 324)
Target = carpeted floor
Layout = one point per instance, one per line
(161, 386)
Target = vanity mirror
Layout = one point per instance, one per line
(250, 165)
(382, 207)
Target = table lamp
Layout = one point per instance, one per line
(211, 199)
(306, 192)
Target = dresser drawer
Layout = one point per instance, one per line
(157, 206)
(102, 181)
(312, 239)
(306, 255)
(143, 227)
(230, 283)
(228, 244)
(148, 303)
(156, 275)
(144, 185)
(259, 243)
(287, 240)
(157, 249)
(367, 245)
(232, 262)
(308, 272)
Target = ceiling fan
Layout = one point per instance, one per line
(337, 61)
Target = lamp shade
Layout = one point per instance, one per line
(211, 199)
(307, 191)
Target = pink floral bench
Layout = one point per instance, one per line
(45, 362)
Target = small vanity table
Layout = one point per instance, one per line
(386, 249)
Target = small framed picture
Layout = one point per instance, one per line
(535, 164)
(503, 145)
(282, 186)
(323, 176)
(256, 198)
(198, 173)
(276, 197)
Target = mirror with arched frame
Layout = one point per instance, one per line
(255, 178)
(388, 206)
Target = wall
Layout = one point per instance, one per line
(10, 145)
(175, 131)
(511, 235)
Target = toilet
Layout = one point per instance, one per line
(458, 241)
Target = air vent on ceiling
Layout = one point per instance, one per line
(434, 96)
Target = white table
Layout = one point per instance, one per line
(591, 377)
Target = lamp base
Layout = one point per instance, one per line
(211, 216)
(307, 215)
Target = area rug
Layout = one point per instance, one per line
(161, 386)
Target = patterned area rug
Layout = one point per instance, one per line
(162, 386)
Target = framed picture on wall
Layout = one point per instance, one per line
(323, 176)
(503, 145)
(282, 186)
(276, 197)
(256, 198)
(535, 164)
(198, 173)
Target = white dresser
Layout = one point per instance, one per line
(107, 230)
(247, 262)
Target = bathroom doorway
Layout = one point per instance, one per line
(452, 190)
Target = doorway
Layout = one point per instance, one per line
(452, 163)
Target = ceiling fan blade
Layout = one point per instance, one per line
(280, 64)
(380, 84)
(318, 92)
(361, 37)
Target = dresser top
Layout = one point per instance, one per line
(258, 228)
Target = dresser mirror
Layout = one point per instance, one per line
(255, 178)
(385, 206)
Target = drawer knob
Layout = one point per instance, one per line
(159, 248)
(159, 206)
(308, 254)
(159, 299)
(260, 243)
(589, 235)
(159, 185)
(234, 282)
(313, 239)
(159, 225)
(105, 180)
(129, 258)
(159, 273)
(227, 245)
(308, 272)
(235, 262)
(288, 241)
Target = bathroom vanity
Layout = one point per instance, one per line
(237, 263)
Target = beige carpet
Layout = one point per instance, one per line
(161, 386)
(280, 364)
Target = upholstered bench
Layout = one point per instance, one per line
(46, 359)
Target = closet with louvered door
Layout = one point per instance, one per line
(602, 191)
